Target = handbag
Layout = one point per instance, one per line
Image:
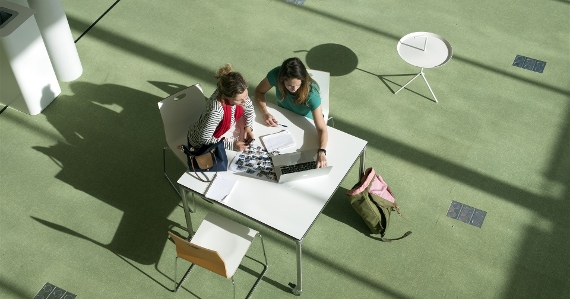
(373, 200)
(207, 158)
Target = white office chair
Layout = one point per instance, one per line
(324, 81)
(178, 112)
(219, 245)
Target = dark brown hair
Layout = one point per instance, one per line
(293, 68)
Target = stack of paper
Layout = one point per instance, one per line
(220, 188)
(278, 141)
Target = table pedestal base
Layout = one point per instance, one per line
(421, 73)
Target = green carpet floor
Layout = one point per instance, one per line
(84, 204)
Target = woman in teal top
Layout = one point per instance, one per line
(296, 91)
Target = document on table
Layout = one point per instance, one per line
(220, 188)
(278, 141)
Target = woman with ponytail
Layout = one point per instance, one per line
(229, 102)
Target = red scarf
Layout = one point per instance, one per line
(224, 125)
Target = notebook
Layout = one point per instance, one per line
(278, 141)
(298, 166)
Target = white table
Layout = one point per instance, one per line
(290, 208)
(424, 50)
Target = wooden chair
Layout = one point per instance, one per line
(219, 245)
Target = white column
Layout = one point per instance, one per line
(31, 80)
(56, 33)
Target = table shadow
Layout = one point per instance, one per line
(336, 59)
(385, 81)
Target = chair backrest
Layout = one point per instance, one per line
(324, 81)
(178, 112)
(203, 257)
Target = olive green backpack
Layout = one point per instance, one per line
(372, 199)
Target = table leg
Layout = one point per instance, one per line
(299, 287)
(421, 72)
(187, 212)
(424, 76)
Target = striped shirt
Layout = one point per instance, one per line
(202, 132)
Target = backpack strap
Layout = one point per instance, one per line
(390, 240)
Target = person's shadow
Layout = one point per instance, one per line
(113, 152)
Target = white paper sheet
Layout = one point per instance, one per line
(220, 188)
(278, 141)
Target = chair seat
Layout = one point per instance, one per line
(230, 239)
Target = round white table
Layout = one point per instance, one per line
(424, 50)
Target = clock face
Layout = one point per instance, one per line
(424, 49)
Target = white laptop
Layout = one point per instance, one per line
(297, 166)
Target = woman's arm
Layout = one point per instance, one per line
(262, 88)
(249, 113)
(323, 134)
(202, 131)
(208, 123)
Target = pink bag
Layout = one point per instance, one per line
(378, 187)
(372, 199)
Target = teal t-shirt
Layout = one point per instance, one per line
(288, 103)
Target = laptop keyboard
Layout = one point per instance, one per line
(298, 167)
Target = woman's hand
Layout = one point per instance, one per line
(248, 135)
(321, 160)
(239, 146)
(269, 119)
(262, 88)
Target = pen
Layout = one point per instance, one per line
(283, 125)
